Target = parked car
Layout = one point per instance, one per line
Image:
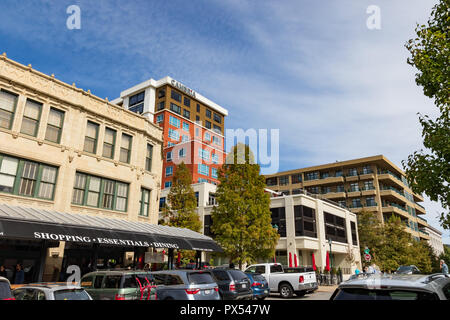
(259, 285)
(394, 287)
(192, 266)
(50, 291)
(185, 285)
(233, 284)
(285, 283)
(5, 289)
(119, 285)
(412, 269)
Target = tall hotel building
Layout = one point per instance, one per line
(373, 184)
(193, 126)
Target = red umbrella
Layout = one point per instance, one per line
(327, 267)
(290, 260)
(295, 259)
(314, 262)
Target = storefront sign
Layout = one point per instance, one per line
(183, 88)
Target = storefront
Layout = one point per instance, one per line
(29, 236)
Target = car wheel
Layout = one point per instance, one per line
(286, 291)
(300, 293)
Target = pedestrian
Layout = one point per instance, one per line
(357, 271)
(20, 275)
(444, 267)
(3, 272)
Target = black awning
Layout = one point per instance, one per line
(38, 230)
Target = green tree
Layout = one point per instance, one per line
(429, 171)
(242, 220)
(370, 232)
(445, 256)
(180, 208)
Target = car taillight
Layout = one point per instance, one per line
(12, 298)
(232, 287)
(192, 291)
(119, 297)
(216, 289)
(301, 279)
(255, 284)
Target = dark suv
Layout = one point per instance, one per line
(5, 289)
(233, 284)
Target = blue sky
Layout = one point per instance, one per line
(334, 88)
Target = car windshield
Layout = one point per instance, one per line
(5, 291)
(404, 269)
(71, 294)
(200, 278)
(258, 277)
(238, 275)
(366, 294)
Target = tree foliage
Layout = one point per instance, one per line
(429, 171)
(241, 222)
(391, 246)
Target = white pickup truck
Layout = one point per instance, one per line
(285, 283)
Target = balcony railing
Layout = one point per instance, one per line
(392, 204)
(420, 205)
(390, 173)
(393, 189)
(367, 188)
(421, 218)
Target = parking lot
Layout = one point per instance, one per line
(323, 293)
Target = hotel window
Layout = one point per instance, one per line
(207, 226)
(305, 221)
(125, 148)
(215, 158)
(160, 106)
(217, 141)
(354, 187)
(208, 113)
(174, 121)
(90, 140)
(356, 203)
(159, 118)
(186, 126)
(197, 132)
(136, 103)
(187, 102)
(326, 190)
(272, 181)
(169, 156)
(175, 95)
(97, 192)
(144, 203)
(203, 169)
(54, 125)
(203, 154)
(279, 219)
(296, 178)
(324, 175)
(186, 114)
(148, 157)
(169, 171)
(352, 172)
(175, 108)
(217, 129)
(340, 188)
(335, 228)
(198, 108)
(338, 173)
(354, 236)
(207, 136)
(370, 202)
(284, 180)
(184, 138)
(167, 184)
(8, 102)
(161, 93)
(214, 173)
(197, 196)
(108, 143)
(368, 185)
(197, 120)
(170, 144)
(366, 170)
(31, 116)
(173, 134)
(212, 201)
(207, 124)
(217, 118)
(182, 153)
(162, 203)
(311, 176)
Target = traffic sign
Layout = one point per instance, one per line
(367, 257)
(366, 250)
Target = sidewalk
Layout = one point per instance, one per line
(327, 288)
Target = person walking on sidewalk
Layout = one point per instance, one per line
(444, 267)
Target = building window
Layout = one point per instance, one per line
(340, 188)
(335, 228)
(187, 102)
(212, 199)
(54, 125)
(217, 129)
(160, 106)
(182, 153)
(296, 191)
(148, 157)
(175, 108)
(311, 176)
(296, 178)
(169, 171)
(338, 173)
(217, 118)
(186, 114)
(354, 187)
(207, 226)
(367, 170)
(352, 172)
(186, 126)
(136, 103)
(284, 180)
(162, 203)
(207, 124)
(272, 181)
(169, 156)
(207, 136)
(31, 116)
(144, 203)
(184, 138)
(203, 154)
(354, 235)
(370, 202)
(324, 175)
(98, 192)
(159, 118)
(305, 221)
(175, 96)
(197, 120)
(208, 113)
(168, 184)
(108, 143)
(198, 108)
(90, 140)
(170, 144)
(175, 121)
(215, 158)
(214, 173)
(125, 148)
(161, 93)
(279, 220)
(173, 134)
(217, 141)
(356, 203)
(203, 169)
(8, 102)
(197, 132)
